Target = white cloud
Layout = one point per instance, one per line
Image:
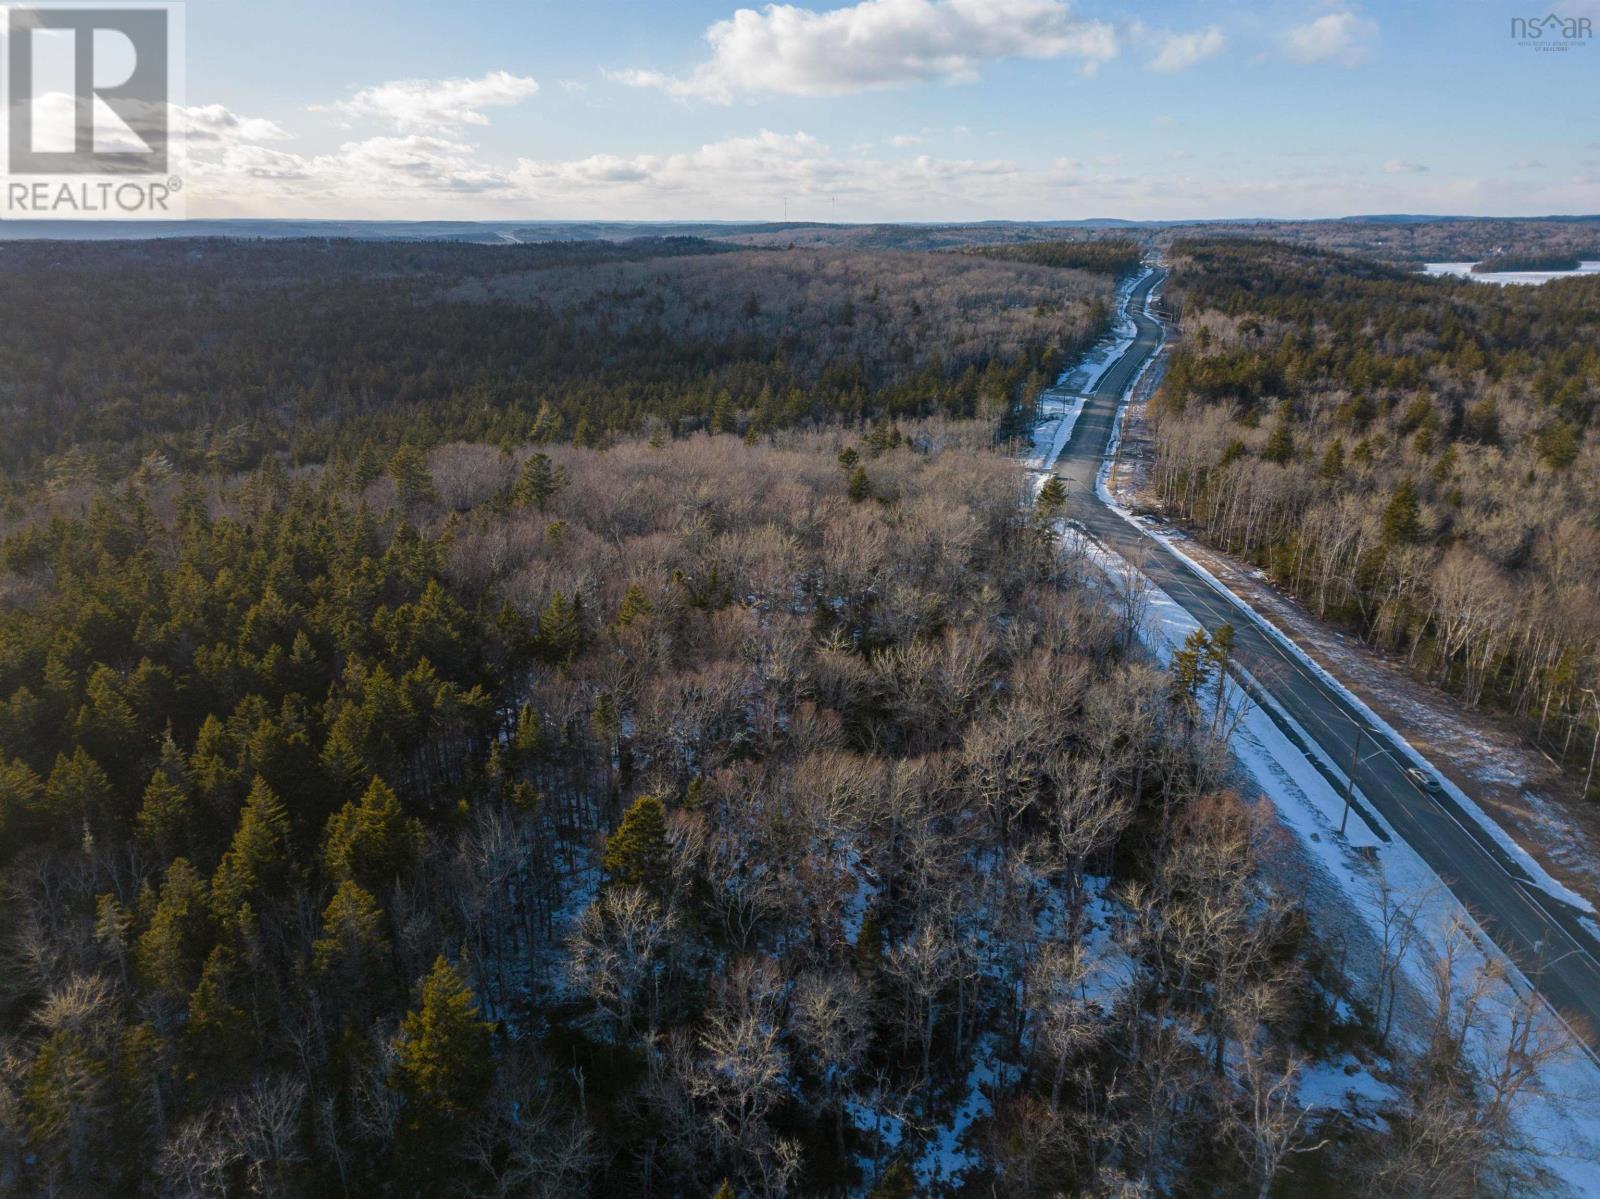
(245, 170)
(906, 139)
(1180, 51)
(1337, 37)
(434, 104)
(1402, 166)
(214, 123)
(875, 44)
(1527, 164)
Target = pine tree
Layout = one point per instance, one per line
(352, 937)
(635, 605)
(869, 947)
(1333, 460)
(216, 1032)
(528, 740)
(605, 721)
(1191, 666)
(442, 1066)
(372, 842)
(860, 486)
(1402, 522)
(541, 480)
(1280, 444)
(165, 812)
(258, 855)
(21, 797)
(636, 854)
(1052, 499)
(178, 931)
(546, 425)
(1558, 445)
(560, 629)
(412, 482)
(78, 793)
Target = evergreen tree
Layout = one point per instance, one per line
(560, 629)
(165, 813)
(1333, 460)
(258, 855)
(541, 480)
(78, 793)
(413, 484)
(869, 947)
(860, 486)
(1558, 445)
(546, 426)
(635, 605)
(352, 941)
(898, 1182)
(1052, 499)
(21, 798)
(1402, 520)
(217, 1031)
(1192, 666)
(442, 1067)
(178, 932)
(1280, 444)
(372, 842)
(636, 854)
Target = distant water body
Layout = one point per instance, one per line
(1463, 270)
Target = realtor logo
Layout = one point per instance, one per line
(89, 95)
(116, 61)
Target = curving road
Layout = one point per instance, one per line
(1545, 937)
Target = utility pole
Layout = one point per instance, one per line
(1350, 779)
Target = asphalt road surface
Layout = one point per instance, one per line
(1541, 934)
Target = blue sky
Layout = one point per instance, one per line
(883, 110)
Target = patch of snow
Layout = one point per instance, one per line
(1331, 1085)
(1536, 873)
(1463, 270)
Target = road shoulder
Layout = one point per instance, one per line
(1520, 789)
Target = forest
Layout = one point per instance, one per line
(1415, 458)
(734, 806)
(210, 355)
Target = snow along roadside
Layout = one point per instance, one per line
(1536, 874)
(1558, 1115)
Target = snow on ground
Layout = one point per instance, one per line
(1345, 1083)
(1536, 872)
(949, 1154)
(1057, 417)
(1463, 270)
(1523, 792)
(1562, 1117)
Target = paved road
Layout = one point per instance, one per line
(1541, 934)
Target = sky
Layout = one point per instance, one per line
(883, 110)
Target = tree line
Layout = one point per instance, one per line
(1412, 457)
